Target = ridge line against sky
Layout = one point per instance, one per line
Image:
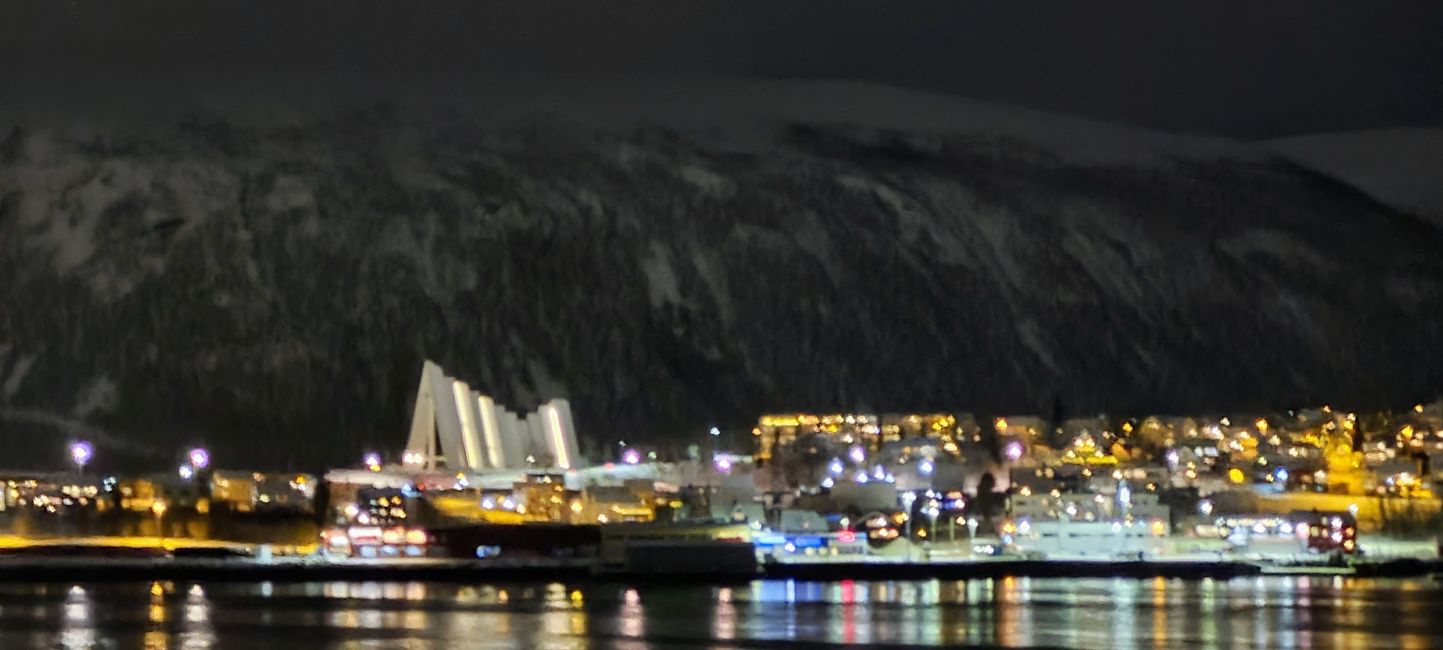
(1244, 70)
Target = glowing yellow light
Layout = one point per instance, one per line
(1236, 475)
(1000, 424)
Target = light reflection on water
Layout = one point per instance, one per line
(1264, 612)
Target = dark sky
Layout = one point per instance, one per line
(1248, 69)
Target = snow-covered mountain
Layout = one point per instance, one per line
(1400, 167)
(669, 257)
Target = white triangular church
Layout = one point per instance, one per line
(462, 429)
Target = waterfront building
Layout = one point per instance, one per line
(1088, 507)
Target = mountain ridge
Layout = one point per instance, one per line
(269, 285)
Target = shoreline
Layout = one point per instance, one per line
(58, 569)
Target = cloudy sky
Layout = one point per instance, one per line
(1245, 69)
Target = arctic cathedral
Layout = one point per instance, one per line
(462, 429)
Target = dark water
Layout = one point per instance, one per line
(1251, 612)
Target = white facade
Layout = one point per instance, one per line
(465, 430)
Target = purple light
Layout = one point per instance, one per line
(1013, 450)
(372, 461)
(631, 457)
(856, 454)
(199, 458)
(723, 465)
(81, 453)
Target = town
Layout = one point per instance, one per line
(1299, 489)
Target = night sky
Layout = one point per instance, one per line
(1248, 70)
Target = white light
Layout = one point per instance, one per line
(558, 438)
(186, 472)
(857, 454)
(1013, 451)
(715, 431)
(925, 467)
(1205, 507)
(827, 482)
(81, 453)
(835, 467)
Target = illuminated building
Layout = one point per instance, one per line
(615, 504)
(248, 492)
(466, 430)
(778, 432)
(1086, 507)
(543, 497)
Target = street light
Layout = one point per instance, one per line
(932, 512)
(158, 507)
(80, 453)
(199, 458)
(908, 498)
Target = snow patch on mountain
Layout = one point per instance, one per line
(661, 282)
(16, 374)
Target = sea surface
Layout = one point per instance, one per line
(1266, 612)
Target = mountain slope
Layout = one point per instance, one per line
(1400, 167)
(270, 283)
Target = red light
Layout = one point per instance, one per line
(846, 536)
